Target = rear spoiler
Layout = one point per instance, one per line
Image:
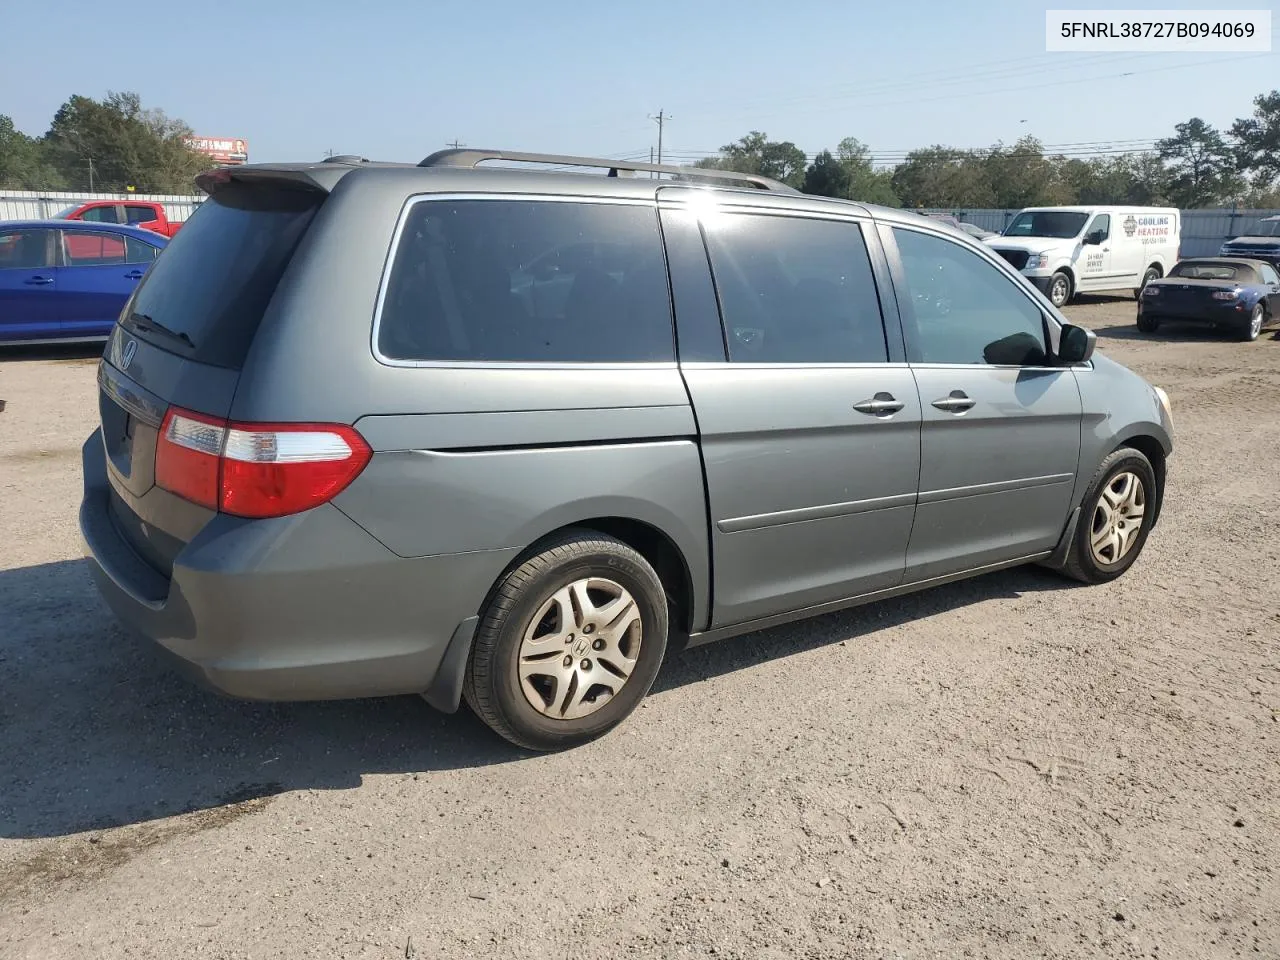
(320, 177)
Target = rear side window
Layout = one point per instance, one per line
(795, 290)
(139, 214)
(206, 295)
(527, 280)
(138, 251)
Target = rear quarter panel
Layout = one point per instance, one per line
(467, 457)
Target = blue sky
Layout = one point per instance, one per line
(393, 79)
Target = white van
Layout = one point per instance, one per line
(1070, 250)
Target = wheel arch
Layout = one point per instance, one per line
(648, 538)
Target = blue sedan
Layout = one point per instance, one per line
(66, 281)
(1234, 293)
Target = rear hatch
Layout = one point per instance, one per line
(1187, 297)
(181, 342)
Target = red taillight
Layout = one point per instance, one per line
(187, 456)
(256, 469)
(269, 470)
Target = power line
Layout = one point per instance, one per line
(1004, 87)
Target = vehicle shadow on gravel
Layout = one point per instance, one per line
(96, 732)
(56, 352)
(1174, 332)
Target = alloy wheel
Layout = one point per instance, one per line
(580, 648)
(1117, 517)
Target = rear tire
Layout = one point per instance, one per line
(1147, 324)
(570, 643)
(1115, 518)
(1060, 289)
(1253, 327)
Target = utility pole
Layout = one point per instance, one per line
(660, 119)
(90, 159)
(456, 144)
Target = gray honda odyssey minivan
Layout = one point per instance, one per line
(505, 434)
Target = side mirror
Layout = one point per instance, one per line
(1015, 350)
(1075, 344)
(1092, 239)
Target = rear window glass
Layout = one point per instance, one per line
(207, 292)
(527, 280)
(1211, 271)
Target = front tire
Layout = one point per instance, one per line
(1060, 289)
(1147, 324)
(1253, 328)
(570, 643)
(1115, 518)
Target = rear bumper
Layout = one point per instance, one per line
(1222, 313)
(308, 607)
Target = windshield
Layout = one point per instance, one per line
(65, 212)
(1208, 270)
(1266, 228)
(1058, 224)
(208, 290)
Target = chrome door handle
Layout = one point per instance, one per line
(957, 402)
(881, 405)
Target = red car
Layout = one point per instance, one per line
(146, 214)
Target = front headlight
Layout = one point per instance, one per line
(1037, 261)
(1164, 402)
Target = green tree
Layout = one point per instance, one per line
(1201, 165)
(866, 184)
(129, 146)
(1022, 176)
(756, 153)
(22, 161)
(1258, 141)
(941, 176)
(826, 177)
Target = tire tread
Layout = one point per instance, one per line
(1074, 565)
(570, 545)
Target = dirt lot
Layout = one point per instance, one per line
(1011, 767)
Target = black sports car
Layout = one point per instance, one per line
(1230, 292)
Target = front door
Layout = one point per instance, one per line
(1095, 262)
(1000, 439)
(28, 284)
(810, 435)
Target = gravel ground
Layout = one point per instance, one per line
(1009, 767)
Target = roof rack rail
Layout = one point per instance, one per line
(473, 157)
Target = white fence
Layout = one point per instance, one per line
(1203, 231)
(42, 205)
